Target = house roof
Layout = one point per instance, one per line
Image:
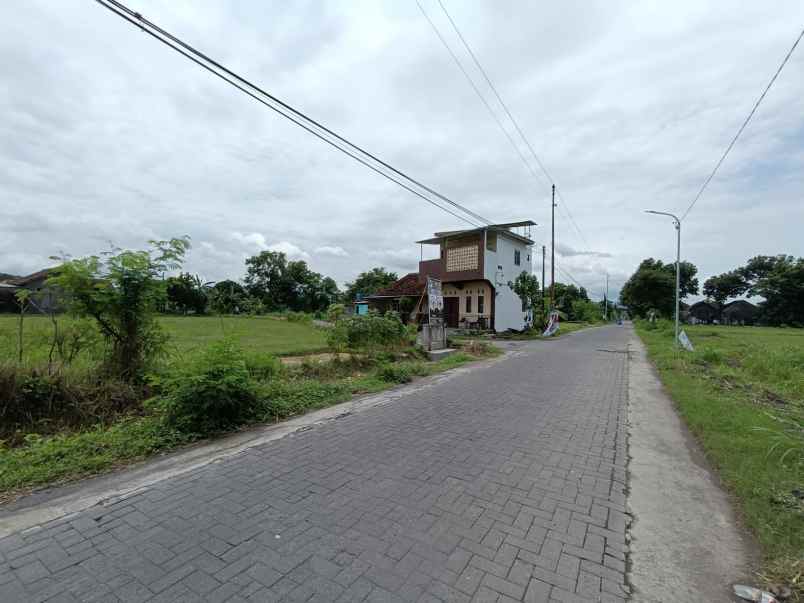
(408, 286)
(705, 302)
(740, 303)
(501, 228)
(24, 280)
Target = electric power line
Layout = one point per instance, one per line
(477, 91)
(299, 118)
(507, 112)
(742, 127)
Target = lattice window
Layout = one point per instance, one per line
(462, 258)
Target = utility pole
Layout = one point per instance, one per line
(553, 250)
(677, 224)
(544, 252)
(606, 300)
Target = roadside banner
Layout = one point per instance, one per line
(685, 342)
(435, 302)
(552, 324)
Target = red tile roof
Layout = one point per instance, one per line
(408, 285)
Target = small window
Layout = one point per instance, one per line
(468, 304)
(491, 241)
(480, 308)
(517, 257)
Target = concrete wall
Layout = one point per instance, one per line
(500, 270)
(473, 290)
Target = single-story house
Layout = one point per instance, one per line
(739, 312)
(44, 298)
(704, 312)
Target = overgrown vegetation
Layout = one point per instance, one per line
(742, 393)
(220, 387)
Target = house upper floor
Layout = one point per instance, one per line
(497, 253)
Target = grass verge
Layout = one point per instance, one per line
(742, 394)
(61, 458)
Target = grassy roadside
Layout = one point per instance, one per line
(65, 457)
(742, 394)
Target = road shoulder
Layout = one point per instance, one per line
(686, 541)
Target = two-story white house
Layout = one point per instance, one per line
(477, 269)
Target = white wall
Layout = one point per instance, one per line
(499, 269)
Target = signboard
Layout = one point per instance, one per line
(552, 324)
(435, 302)
(685, 342)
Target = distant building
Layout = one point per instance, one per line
(44, 297)
(737, 312)
(477, 269)
(740, 312)
(704, 312)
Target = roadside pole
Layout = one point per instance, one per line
(553, 250)
(544, 255)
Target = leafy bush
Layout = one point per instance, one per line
(121, 291)
(301, 317)
(371, 332)
(335, 312)
(34, 400)
(263, 366)
(395, 373)
(212, 392)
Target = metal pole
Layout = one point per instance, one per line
(544, 252)
(553, 251)
(678, 273)
(677, 224)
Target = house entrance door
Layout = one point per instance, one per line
(451, 311)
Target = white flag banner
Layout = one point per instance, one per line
(552, 324)
(685, 342)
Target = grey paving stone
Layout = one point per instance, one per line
(504, 483)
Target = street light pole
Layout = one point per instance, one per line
(677, 224)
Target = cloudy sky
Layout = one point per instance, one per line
(110, 136)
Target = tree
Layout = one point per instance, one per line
(567, 298)
(726, 285)
(780, 281)
(186, 293)
(526, 286)
(288, 285)
(652, 287)
(228, 297)
(121, 290)
(369, 282)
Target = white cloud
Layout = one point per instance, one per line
(627, 104)
(334, 250)
(294, 252)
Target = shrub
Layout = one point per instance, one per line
(371, 332)
(301, 317)
(335, 312)
(263, 366)
(395, 373)
(212, 392)
(34, 400)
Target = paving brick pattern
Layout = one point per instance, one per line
(504, 484)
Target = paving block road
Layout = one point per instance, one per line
(506, 483)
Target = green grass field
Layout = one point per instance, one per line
(267, 334)
(742, 394)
